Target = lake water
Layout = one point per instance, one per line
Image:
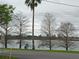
(14, 44)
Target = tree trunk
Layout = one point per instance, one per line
(33, 47)
(20, 44)
(66, 47)
(5, 41)
(49, 35)
(20, 35)
(6, 36)
(50, 43)
(66, 44)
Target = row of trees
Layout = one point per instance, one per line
(32, 4)
(64, 31)
(47, 27)
(9, 20)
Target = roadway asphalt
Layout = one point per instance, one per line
(39, 55)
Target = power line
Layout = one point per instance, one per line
(62, 3)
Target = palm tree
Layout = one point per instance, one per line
(32, 4)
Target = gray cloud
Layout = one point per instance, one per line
(61, 12)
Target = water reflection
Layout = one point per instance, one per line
(14, 44)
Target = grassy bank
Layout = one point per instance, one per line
(63, 51)
(7, 57)
(57, 51)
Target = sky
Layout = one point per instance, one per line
(62, 13)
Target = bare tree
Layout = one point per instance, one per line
(66, 30)
(47, 28)
(22, 25)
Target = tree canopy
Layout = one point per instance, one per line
(5, 13)
(32, 3)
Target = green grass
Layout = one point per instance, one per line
(7, 57)
(57, 51)
(63, 51)
(14, 49)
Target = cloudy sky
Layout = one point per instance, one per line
(61, 12)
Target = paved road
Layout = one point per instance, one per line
(40, 55)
